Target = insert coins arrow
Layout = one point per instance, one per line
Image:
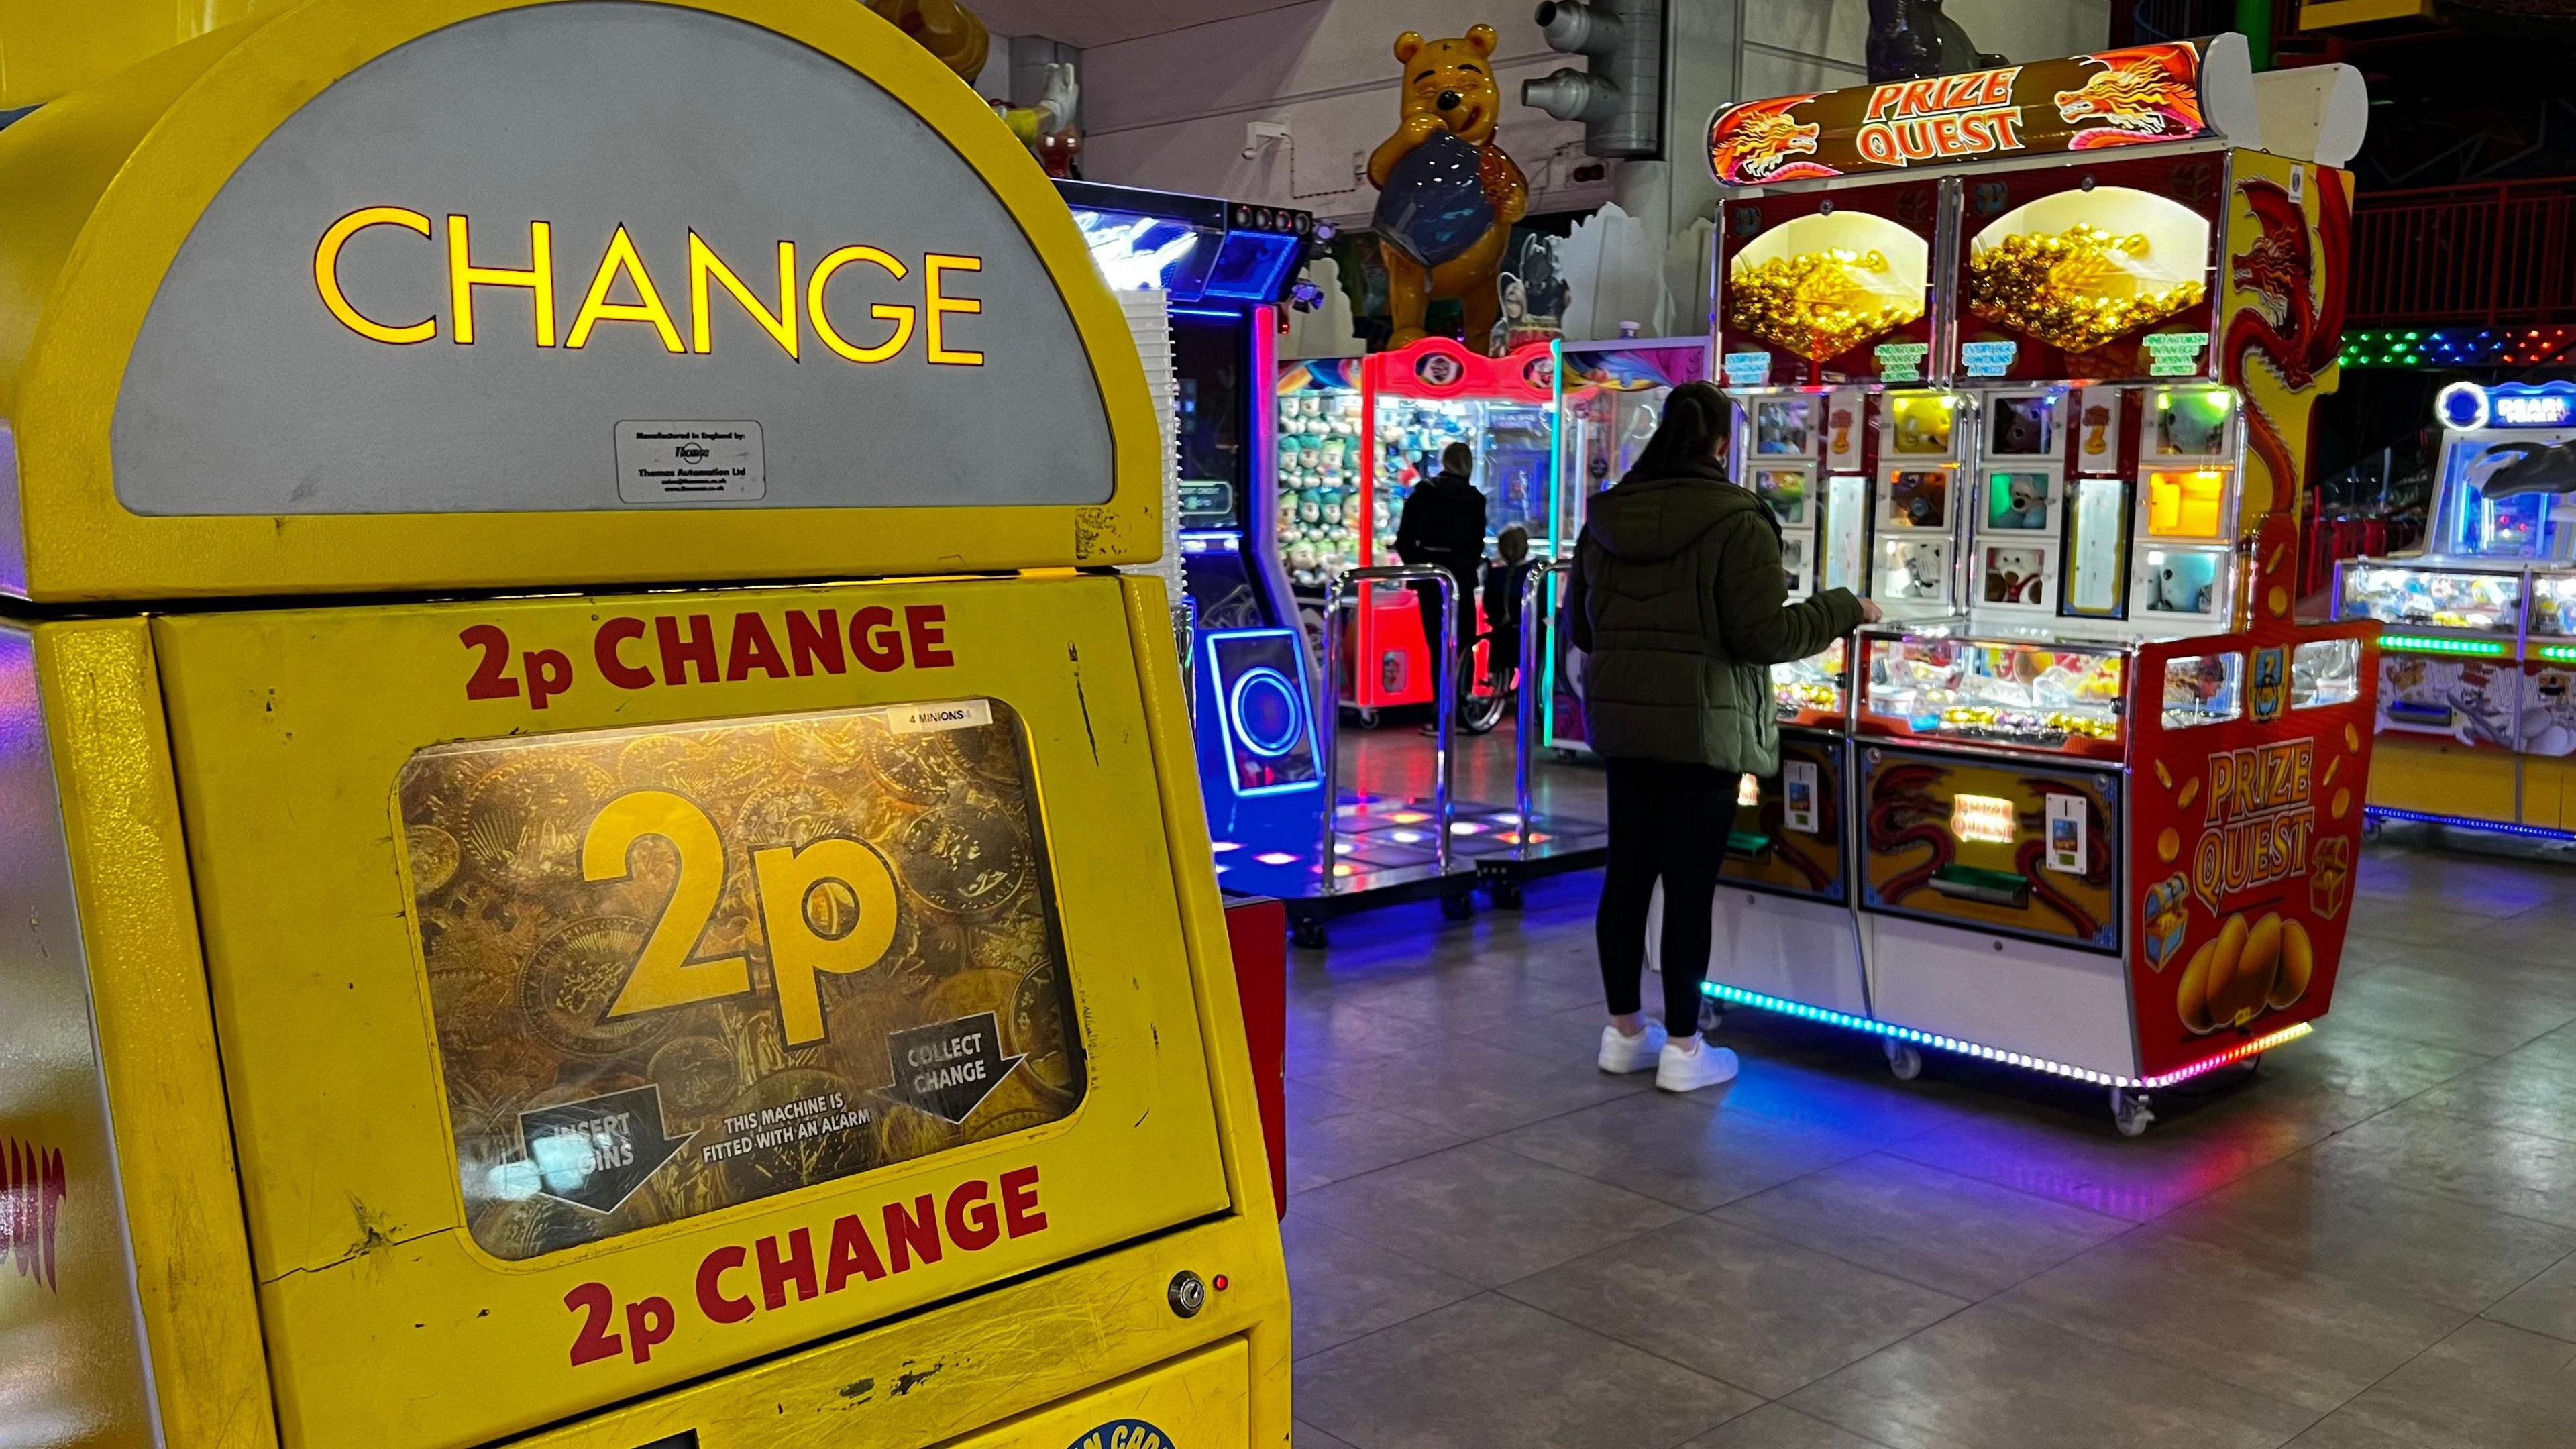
(948, 1068)
(595, 1153)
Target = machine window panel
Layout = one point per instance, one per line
(2324, 672)
(2203, 689)
(679, 968)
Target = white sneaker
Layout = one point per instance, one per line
(1631, 1053)
(1687, 1069)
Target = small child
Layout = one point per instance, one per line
(1503, 581)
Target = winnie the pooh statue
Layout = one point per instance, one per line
(1447, 195)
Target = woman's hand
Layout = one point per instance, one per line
(1870, 613)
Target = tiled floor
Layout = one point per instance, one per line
(2371, 1245)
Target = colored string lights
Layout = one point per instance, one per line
(2237, 1053)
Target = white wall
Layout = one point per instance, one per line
(1169, 111)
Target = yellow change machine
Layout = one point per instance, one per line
(593, 853)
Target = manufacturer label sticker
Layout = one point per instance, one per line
(690, 463)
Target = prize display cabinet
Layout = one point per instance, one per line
(2028, 356)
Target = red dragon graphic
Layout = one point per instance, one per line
(1757, 141)
(2294, 322)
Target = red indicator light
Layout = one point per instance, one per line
(1220, 1282)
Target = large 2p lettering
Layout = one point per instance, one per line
(825, 907)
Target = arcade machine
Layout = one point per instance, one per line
(472, 990)
(1226, 266)
(1415, 402)
(2102, 818)
(1610, 397)
(2477, 687)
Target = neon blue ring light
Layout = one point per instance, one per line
(1271, 679)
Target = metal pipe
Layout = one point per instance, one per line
(1350, 585)
(1531, 588)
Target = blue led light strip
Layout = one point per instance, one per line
(2501, 827)
(1889, 1029)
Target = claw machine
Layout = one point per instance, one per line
(1610, 399)
(2477, 693)
(2104, 786)
(1415, 402)
(550, 814)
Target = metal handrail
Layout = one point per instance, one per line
(1328, 702)
(1531, 587)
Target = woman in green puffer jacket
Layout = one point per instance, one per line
(1680, 602)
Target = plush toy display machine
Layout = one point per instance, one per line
(499, 961)
(2035, 375)
(2477, 688)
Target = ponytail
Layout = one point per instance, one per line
(1696, 420)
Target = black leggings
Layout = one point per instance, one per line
(1670, 821)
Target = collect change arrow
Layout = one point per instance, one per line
(948, 1068)
(595, 1153)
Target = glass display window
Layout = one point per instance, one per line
(2184, 585)
(1845, 536)
(2017, 575)
(2506, 496)
(2203, 689)
(2036, 693)
(2096, 429)
(2429, 598)
(1812, 686)
(2553, 604)
(1912, 571)
(2097, 552)
(2078, 269)
(2324, 672)
(2024, 425)
(1916, 498)
(1319, 498)
(2188, 503)
(1786, 490)
(1798, 561)
(1846, 423)
(2191, 422)
(1921, 424)
(1784, 426)
(2020, 500)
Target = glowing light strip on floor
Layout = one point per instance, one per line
(2237, 1053)
(2501, 827)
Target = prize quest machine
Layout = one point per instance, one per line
(1225, 266)
(2477, 686)
(2028, 356)
(699, 1017)
(1610, 397)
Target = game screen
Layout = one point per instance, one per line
(679, 968)
(1259, 684)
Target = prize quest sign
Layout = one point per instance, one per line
(652, 257)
